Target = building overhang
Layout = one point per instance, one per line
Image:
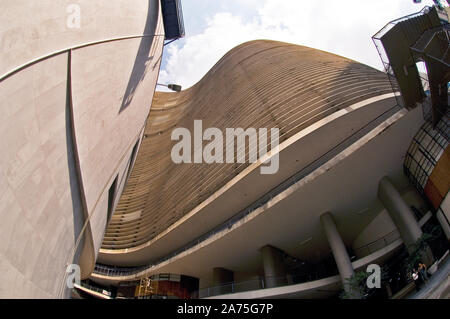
(346, 185)
(302, 152)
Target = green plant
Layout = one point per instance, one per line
(418, 249)
(356, 285)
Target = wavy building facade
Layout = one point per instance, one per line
(361, 178)
(87, 176)
(262, 84)
(339, 202)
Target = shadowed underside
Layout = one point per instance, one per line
(259, 84)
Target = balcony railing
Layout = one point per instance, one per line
(113, 271)
(92, 288)
(272, 282)
(382, 51)
(260, 283)
(377, 244)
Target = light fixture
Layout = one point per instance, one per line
(362, 211)
(305, 241)
(173, 87)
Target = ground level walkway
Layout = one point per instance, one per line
(439, 285)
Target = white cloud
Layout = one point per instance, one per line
(341, 27)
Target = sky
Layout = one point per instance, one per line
(213, 27)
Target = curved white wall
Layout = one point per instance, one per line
(69, 120)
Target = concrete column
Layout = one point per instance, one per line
(444, 223)
(403, 217)
(274, 269)
(339, 251)
(399, 211)
(223, 280)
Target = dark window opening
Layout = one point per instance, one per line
(132, 159)
(111, 197)
(173, 19)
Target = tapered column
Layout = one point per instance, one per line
(403, 217)
(222, 281)
(444, 223)
(274, 269)
(339, 251)
(400, 212)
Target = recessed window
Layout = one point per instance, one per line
(111, 197)
(132, 158)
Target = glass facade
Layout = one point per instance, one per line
(423, 154)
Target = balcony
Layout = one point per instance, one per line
(314, 285)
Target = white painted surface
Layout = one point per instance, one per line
(40, 205)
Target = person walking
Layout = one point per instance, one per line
(415, 277)
(423, 272)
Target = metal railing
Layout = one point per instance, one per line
(416, 50)
(260, 283)
(443, 126)
(378, 244)
(383, 54)
(422, 44)
(115, 271)
(101, 291)
(393, 23)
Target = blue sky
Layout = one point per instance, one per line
(213, 27)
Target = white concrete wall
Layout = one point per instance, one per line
(32, 29)
(42, 209)
(379, 227)
(106, 129)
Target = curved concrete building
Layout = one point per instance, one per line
(76, 84)
(257, 84)
(92, 186)
(338, 202)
